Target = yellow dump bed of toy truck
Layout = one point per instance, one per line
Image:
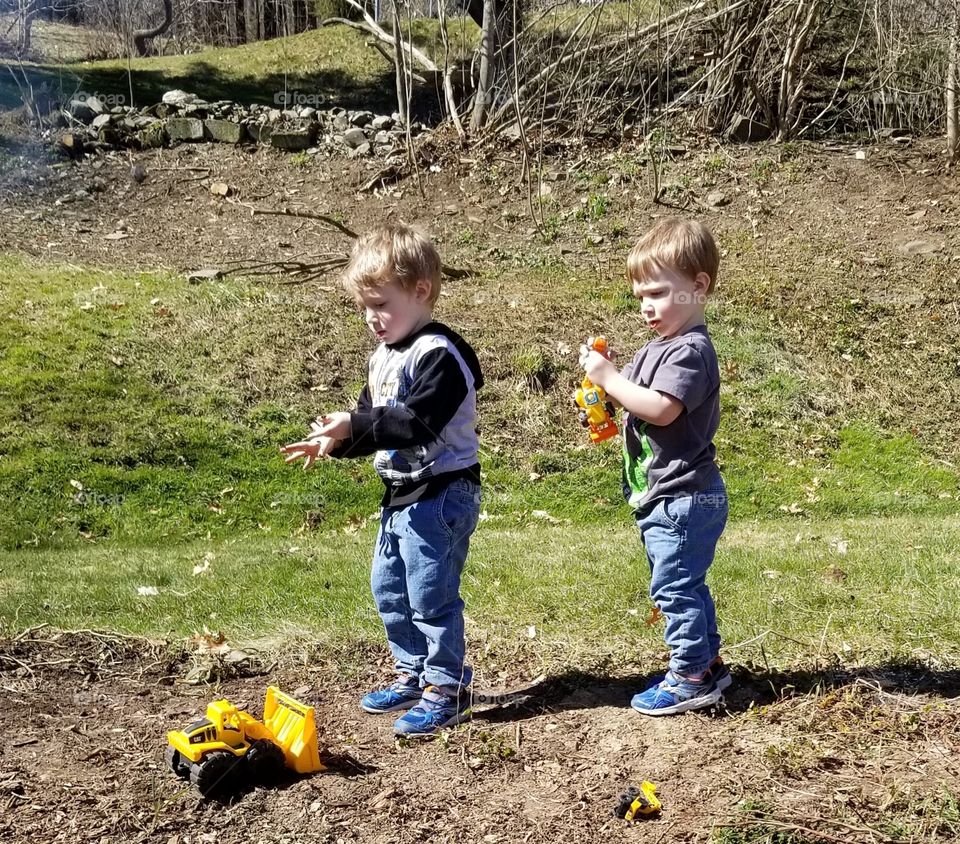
(294, 729)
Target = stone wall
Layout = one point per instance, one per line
(181, 117)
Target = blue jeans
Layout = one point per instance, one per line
(421, 549)
(680, 536)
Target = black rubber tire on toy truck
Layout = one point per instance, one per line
(176, 762)
(265, 762)
(216, 774)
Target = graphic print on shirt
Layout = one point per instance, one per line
(637, 457)
(392, 390)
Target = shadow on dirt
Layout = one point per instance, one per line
(235, 786)
(751, 688)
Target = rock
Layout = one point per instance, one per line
(71, 144)
(383, 137)
(748, 129)
(109, 135)
(340, 123)
(81, 111)
(185, 129)
(274, 115)
(223, 131)
(307, 113)
(153, 136)
(220, 189)
(204, 275)
(354, 137)
(101, 120)
(382, 121)
(291, 140)
(161, 110)
(178, 98)
(138, 173)
(892, 133)
(361, 118)
(919, 247)
(364, 149)
(717, 199)
(259, 132)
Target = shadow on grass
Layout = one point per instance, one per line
(53, 87)
(574, 690)
(335, 87)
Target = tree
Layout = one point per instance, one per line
(142, 36)
(953, 81)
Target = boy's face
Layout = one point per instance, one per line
(671, 301)
(392, 312)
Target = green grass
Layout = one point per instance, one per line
(332, 63)
(140, 418)
(145, 409)
(841, 589)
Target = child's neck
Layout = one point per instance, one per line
(693, 321)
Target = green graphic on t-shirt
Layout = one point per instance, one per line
(635, 466)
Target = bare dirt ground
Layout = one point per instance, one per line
(897, 205)
(869, 755)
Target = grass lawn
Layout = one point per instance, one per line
(334, 66)
(787, 590)
(139, 422)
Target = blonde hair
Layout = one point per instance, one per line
(394, 253)
(683, 245)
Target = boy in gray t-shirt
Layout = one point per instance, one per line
(670, 394)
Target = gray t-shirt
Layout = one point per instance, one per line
(665, 461)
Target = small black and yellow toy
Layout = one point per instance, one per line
(636, 803)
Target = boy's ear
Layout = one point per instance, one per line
(702, 282)
(422, 290)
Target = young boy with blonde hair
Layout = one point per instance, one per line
(670, 394)
(417, 415)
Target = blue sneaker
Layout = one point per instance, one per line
(402, 693)
(436, 710)
(721, 674)
(675, 694)
(718, 670)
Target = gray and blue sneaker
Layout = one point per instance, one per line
(721, 674)
(718, 670)
(675, 694)
(402, 693)
(437, 709)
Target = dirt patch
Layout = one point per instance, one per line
(868, 755)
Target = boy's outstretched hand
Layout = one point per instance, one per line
(310, 449)
(324, 435)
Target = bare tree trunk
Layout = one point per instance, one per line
(141, 36)
(27, 10)
(232, 27)
(484, 93)
(402, 77)
(792, 75)
(289, 18)
(953, 118)
(251, 19)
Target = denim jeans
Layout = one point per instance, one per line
(421, 549)
(680, 536)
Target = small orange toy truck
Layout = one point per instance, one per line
(596, 413)
(230, 746)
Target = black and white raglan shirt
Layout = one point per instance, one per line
(417, 414)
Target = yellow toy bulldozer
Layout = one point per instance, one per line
(218, 752)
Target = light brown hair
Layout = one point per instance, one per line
(683, 245)
(394, 253)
